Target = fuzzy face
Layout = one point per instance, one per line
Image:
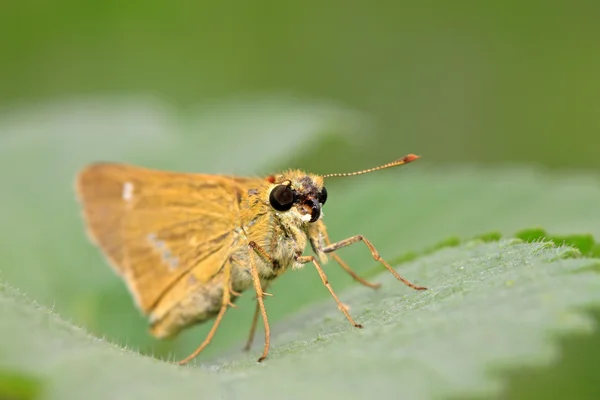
(297, 196)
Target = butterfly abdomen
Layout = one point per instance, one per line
(199, 306)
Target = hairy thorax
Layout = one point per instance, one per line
(282, 243)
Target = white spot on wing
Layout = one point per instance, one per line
(127, 191)
(166, 255)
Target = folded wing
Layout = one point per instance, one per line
(157, 228)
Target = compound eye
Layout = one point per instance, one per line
(323, 196)
(282, 198)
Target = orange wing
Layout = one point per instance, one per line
(158, 227)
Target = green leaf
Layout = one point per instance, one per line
(497, 303)
(584, 243)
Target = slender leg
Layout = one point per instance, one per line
(358, 238)
(259, 297)
(253, 326)
(341, 306)
(224, 304)
(353, 274)
(345, 266)
(233, 292)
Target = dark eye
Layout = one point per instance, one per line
(323, 196)
(282, 198)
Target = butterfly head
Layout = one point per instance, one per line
(297, 195)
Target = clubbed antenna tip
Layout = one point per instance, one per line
(404, 160)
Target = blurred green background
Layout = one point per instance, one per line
(490, 81)
(479, 83)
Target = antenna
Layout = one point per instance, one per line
(404, 160)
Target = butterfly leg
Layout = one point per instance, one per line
(260, 294)
(359, 238)
(233, 293)
(341, 306)
(353, 274)
(253, 326)
(225, 303)
(342, 264)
